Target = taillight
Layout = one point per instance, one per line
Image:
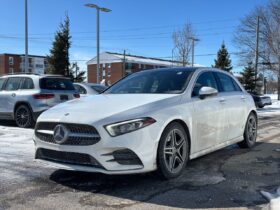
(43, 96)
(76, 95)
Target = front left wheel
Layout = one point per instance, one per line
(173, 151)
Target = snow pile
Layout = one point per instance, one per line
(274, 199)
(272, 96)
(273, 109)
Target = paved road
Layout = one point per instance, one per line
(229, 178)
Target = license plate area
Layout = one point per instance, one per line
(64, 97)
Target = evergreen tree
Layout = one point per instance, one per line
(248, 78)
(75, 74)
(58, 59)
(223, 59)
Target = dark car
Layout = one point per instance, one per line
(261, 100)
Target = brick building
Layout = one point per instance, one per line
(14, 63)
(112, 66)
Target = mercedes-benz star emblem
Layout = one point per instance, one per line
(60, 134)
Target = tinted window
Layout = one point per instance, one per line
(50, 83)
(236, 86)
(80, 89)
(12, 83)
(226, 82)
(156, 81)
(27, 84)
(1, 82)
(98, 88)
(206, 79)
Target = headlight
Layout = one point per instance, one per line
(120, 128)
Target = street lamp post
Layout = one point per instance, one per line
(98, 9)
(193, 40)
(26, 39)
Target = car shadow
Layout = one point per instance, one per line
(228, 178)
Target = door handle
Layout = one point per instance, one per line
(243, 98)
(13, 94)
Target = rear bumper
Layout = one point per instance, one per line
(262, 104)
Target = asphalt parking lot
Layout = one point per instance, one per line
(226, 179)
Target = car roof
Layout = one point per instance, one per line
(191, 69)
(33, 76)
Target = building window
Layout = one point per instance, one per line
(11, 61)
(109, 65)
(139, 65)
(11, 70)
(109, 73)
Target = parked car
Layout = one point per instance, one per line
(89, 88)
(156, 119)
(23, 97)
(261, 100)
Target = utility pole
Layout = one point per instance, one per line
(97, 47)
(257, 50)
(26, 39)
(124, 54)
(193, 43)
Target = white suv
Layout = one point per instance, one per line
(156, 119)
(23, 97)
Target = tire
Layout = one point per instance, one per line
(23, 117)
(173, 151)
(250, 133)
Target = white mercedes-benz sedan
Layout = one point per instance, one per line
(151, 120)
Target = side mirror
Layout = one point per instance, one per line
(206, 92)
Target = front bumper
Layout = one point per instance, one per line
(143, 143)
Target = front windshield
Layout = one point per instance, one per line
(168, 81)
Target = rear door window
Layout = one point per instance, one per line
(2, 80)
(27, 84)
(50, 83)
(13, 83)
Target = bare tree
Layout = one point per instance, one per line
(183, 43)
(269, 48)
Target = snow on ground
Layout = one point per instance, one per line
(18, 139)
(273, 198)
(273, 109)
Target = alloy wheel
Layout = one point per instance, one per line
(22, 117)
(175, 151)
(252, 129)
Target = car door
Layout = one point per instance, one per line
(209, 119)
(9, 94)
(234, 104)
(2, 81)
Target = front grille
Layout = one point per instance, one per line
(80, 134)
(125, 157)
(67, 157)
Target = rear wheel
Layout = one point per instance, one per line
(173, 151)
(23, 117)
(250, 133)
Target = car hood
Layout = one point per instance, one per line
(97, 107)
